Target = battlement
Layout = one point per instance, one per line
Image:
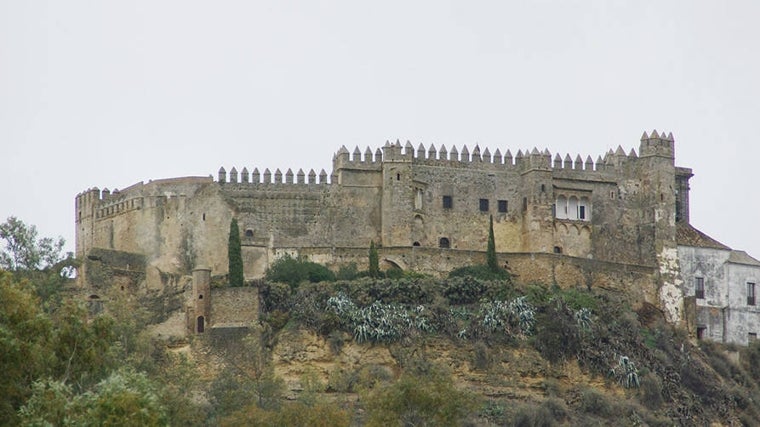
(255, 177)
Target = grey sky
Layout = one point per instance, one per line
(110, 93)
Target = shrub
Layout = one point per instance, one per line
(558, 336)
(418, 400)
(294, 271)
(482, 272)
(651, 391)
(481, 358)
(348, 272)
(463, 290)
(595, 403)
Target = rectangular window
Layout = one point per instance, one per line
(502, 206)
(750, 293)
(447, 202)
(699, 287)
(484, 205)
(581, 212)
(701, 332)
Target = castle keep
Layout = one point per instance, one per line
(621, 221)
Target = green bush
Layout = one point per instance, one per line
(464, 290)
(295, 271)
(482, 272)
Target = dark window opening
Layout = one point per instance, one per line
(543, 188)
(416, 244)
(204, 217)
(200, 296)
(678, 211)
(502, 206)
(750, 293)
(581, 212)
(398, 177)
(699, 287)
(557, 250)
(484, 205)
(525, 203)
(448, 203)
(444, 243)
(249, 233)
(701, 332)
(201, 325)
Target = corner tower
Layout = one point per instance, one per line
(657, 174)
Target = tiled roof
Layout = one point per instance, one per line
(686, 235)
(741, 257)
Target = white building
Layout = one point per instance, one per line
(723, 283)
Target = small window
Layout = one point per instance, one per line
(750, 293)
(416, 244)
(701, 332)
(543, 188)
(418, 193)
(484, 205)
(612, 194)
(557, 250)
(447, 202)
(200, 296)
(444, 243)
(581, 212)
(525, 203)
(502, 206)
(699, 287)
(204, 217)
(398, 177)
(249, 233)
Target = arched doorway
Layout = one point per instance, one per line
(201, 325)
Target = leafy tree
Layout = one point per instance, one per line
(491, 262)
(374, 261)
(22, 250)
(25, 335)
(235, 255)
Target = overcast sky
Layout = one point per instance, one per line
(110, 93)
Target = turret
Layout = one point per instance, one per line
(657, 145)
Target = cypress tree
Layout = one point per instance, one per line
(374, 260)
(235, 255)
(493, 265)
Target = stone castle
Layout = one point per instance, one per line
(620, 222)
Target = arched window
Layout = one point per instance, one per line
(572, 207)
(444, 243)
(561, 207)
(249, 233)
(416, 244)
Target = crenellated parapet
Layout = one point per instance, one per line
(267, 177)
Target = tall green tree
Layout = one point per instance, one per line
(493, 265)
(235, 255)
(21, 249)
(374, 260)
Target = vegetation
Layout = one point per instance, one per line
(491, 261)
(374, 260)
(235, 255)
(295, 271)
(573, 356)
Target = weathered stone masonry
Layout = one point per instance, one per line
(427, 209)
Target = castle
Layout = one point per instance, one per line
(620, 222)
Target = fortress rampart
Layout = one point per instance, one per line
(620, 209)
